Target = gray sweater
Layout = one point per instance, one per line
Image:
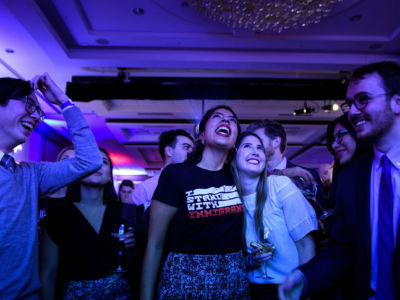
(19, 193)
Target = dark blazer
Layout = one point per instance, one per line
(350, 252)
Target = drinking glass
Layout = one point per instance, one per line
(268, 248)
(119, 230)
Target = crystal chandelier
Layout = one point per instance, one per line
(261, 15)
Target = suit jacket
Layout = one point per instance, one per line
(350, 252)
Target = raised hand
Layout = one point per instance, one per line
(49, 89)
(299, 172)
(127, 238)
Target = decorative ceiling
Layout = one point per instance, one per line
(137, 68)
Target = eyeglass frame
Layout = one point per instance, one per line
(345, 107)
(31, 107)
(338, 137)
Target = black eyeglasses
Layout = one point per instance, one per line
(31, 107)
(338, 137)
(360, 101)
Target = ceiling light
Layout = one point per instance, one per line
(330, 107)
(277, 15)
(138, 11)
(128, 171)
(305, 110)
(355, 18)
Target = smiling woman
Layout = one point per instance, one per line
(342, 142)
(197, 203)
(278, 220)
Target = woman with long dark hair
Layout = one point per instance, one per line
(196, 220)
(276, 216)
(78, 240)
(342, 142)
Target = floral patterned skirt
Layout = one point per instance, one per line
(112, 287)
(198, 276)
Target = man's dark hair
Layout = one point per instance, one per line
(169, 138)
(126, 182)
(388, 70)
(11, 88)
(272, 130)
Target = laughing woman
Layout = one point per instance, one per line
(197, 213)
(275, 212)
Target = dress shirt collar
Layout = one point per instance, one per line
(282, 164)
(393, 155)
(3, 153)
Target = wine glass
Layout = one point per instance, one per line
(267, 248)
(119, 230)
(264, 247)
(310, 193)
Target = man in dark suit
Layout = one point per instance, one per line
(365, 240)
(273, 135)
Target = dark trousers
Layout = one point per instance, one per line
(263, 291)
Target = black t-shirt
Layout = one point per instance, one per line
(210, 213)
(84, 254)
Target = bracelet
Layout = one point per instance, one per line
(66, 104)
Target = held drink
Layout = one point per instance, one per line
(121, 231)
(264, 248)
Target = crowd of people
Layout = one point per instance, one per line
(229, 216)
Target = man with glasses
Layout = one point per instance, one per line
(22, 184)
(365, 239)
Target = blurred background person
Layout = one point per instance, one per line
(173, 146)
(276, 214)
(274, 138)
(343, 144)
(126, 188)
(196, 218)
(52, 201)
(78, 239)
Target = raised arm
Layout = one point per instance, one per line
(161, 215)
(87, 158)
